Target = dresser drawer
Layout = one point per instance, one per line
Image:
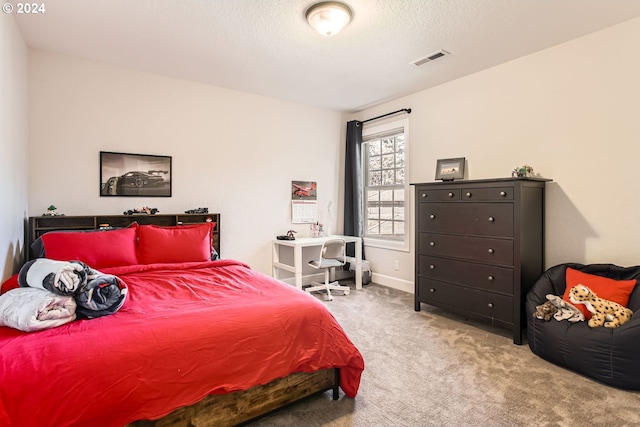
(482, 249)
(487, 304)
(484, 219)
(481, 276)
(439, 195)
(487, 194)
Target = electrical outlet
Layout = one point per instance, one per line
(396, 265)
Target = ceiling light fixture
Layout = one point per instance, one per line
(328, 17)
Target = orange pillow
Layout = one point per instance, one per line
(181, 243)
(610, 289)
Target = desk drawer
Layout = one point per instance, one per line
(481, 276)
(482, 249)
(484, 219)
(487, 304)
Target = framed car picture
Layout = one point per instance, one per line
(137, 175)
(450, 169)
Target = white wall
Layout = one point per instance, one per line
(13, 144)
(571, 112)
(233, 152)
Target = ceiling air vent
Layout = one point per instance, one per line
(432, 57)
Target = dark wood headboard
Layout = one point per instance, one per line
(38, 225)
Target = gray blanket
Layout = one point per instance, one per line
(96, 294)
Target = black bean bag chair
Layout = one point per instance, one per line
(611, 356)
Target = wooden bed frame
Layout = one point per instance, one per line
(214, 410)
(242, 406)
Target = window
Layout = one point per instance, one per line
(385, 186)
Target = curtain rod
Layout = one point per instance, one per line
(404, 110)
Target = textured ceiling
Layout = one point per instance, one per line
(266, 47)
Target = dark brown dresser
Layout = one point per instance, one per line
(480, 247)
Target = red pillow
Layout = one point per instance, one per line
(610, 289)
(98, 249)
(180, 243)
(10, 283)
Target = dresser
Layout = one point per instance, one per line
(480, 247)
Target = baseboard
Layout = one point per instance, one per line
(306, 279)
(380, 279)
(392, 282)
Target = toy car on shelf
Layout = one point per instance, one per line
(197, 211)
(143, 210)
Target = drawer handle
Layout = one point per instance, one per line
(490, 251)
(432, 290)
(491, 219)
(423, 195)
(490, 278)
(450, 194)
(468, 194)
(490, 305)
(432, 216)
(432, 243)
(431, 266)
(503, 194)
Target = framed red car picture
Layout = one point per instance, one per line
(137, 175)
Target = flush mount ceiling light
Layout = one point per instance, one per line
(328, 17)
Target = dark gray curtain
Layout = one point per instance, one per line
(353, 220)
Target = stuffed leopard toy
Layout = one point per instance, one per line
(603, 312)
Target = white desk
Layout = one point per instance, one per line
(300, 243)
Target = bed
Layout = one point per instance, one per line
(197, 342)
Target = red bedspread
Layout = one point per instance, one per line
(187, 330)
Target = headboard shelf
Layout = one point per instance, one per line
(38, 225)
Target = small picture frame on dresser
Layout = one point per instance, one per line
(450, 169)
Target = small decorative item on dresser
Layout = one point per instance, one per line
(52, 211)
(524, 171)
(450, 169)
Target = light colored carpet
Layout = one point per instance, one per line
(432, 368)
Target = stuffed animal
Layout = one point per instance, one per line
(565, 311)
(603, 312)
(545, 311)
